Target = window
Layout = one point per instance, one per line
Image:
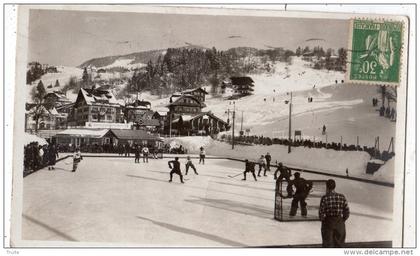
(94, 117)
(108, 117)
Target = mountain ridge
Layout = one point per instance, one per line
(153, 55)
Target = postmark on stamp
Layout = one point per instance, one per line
(375, 51)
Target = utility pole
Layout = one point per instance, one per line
(242, 120)
(228, 112)
(290, 124)
(170, 125)
(233, 126)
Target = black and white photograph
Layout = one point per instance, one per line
(192, 127)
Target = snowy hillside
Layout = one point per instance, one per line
(346, 110)
(63, 76)
(125, 63)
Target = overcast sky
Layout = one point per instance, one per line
(72, 37)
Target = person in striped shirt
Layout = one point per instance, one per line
(333, 212)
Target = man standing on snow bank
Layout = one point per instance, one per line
(333, 212)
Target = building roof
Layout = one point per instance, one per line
(141, 104)
(133, 135)
(66, 105)
(187, 118)
(30, 138)
(149, 122)
(160, 113)
(195, 89)
(95, 96)
(48, 133)
(50, 111)
(84, 133)
(242, 80)
(180, 101)
(60, 96)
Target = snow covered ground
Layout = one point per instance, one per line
(63, 77)
(346, 110)
(126, 63)
(116, 201)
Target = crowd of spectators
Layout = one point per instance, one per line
(260, 140)
(38, 156)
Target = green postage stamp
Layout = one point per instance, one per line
(375, 52)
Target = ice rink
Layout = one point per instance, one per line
(115, 201)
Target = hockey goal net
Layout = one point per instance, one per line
(283, 204)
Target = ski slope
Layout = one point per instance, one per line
(345, 110)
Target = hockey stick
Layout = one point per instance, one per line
(68, 163)
(230, 176)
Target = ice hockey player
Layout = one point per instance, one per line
(77, 157)
(188, 165)
(285, 173)
(302, 189)
(175, 168)
(262, 165)
(268, 160)
(202, 155)
(249, 167)
(136, 154)
(145, 152)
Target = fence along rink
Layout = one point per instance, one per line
(282, 204)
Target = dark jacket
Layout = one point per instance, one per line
(302, 187)
(250, 167)
(175, 165)
(137, 152)
(52, 154)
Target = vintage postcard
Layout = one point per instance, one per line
(148, 126)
